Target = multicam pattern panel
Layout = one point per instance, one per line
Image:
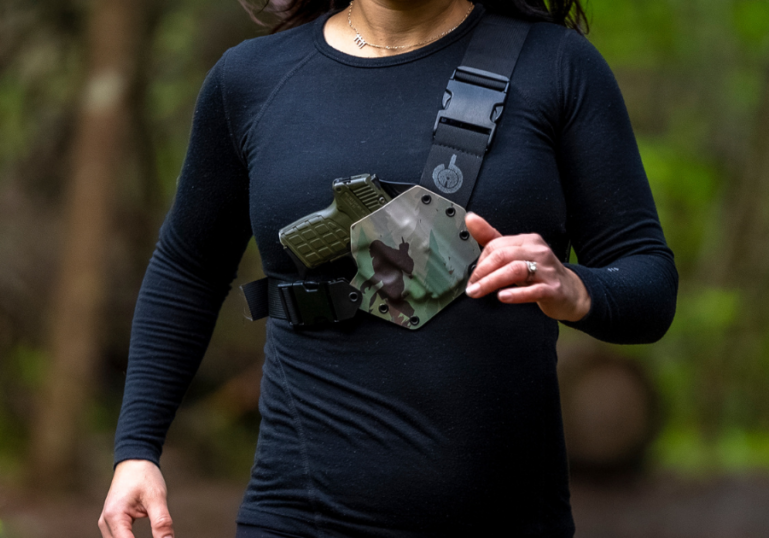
(413, 257)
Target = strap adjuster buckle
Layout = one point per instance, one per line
(307, 302)
(474, 100)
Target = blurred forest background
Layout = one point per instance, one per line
(96, 101)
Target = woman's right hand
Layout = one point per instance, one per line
(138, 490)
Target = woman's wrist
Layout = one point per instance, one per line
(582, 301)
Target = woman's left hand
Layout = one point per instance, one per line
(557, 290)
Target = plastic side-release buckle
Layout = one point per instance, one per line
(306, 302)
(474, 100)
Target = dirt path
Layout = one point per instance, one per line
(665, 507)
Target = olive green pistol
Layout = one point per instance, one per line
(324, 236)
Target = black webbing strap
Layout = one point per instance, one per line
(258, 297)
(302, 302)
(473, 102)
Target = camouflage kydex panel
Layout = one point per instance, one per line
(413, 257)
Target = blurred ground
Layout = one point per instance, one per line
(662, 506)
(668, 507)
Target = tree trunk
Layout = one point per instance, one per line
(115, 31)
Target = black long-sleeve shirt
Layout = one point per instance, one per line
(369, 429)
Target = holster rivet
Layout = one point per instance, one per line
(383, 308)
(450, 211)
(464, 235)
(354, 296)
(426, 199)
(414, 320)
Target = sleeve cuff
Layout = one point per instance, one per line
(135, 452)
(595, 319)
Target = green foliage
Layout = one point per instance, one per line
(692, 73)
(14, 130)
(637, 34)
(27, 365)
(751, 22)
(21, 373)
(688, 452)
(684, 187)
(704, 317)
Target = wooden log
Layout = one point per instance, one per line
(610, 413)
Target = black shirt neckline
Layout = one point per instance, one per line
(327, 50)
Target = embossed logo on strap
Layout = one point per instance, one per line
(449, 179)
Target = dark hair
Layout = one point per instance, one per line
(567, 13)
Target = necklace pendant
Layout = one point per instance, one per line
(360, 41)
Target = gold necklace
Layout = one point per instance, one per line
(362, 42)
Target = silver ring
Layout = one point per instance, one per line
(531, 267)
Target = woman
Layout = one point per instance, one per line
(369, 429)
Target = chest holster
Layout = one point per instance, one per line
(464, 129)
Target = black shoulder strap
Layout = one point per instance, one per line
(472, 104)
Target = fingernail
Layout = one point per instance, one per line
(472, 289)
(505, 294)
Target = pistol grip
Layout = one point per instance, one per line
(319, 237)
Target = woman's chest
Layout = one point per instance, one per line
(319, 128)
